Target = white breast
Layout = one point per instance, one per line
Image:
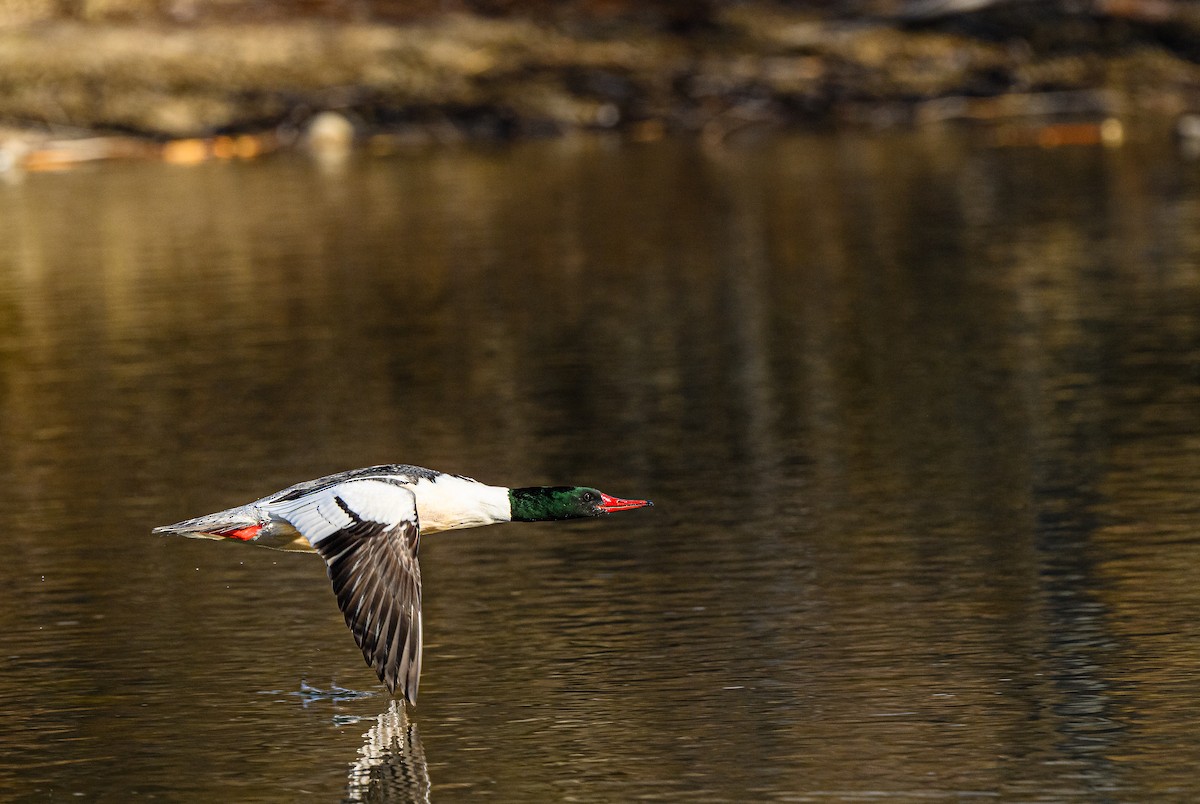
(450, 502)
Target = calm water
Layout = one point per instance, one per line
(921, 419)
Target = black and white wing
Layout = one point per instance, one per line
(367, 532)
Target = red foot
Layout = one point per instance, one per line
(242, 534)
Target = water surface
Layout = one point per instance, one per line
(919, 416)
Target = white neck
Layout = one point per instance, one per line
(451, 503)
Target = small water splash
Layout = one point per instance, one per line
(308, 694)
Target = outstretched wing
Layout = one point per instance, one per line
(367, 532)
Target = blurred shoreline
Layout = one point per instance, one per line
(240, 80)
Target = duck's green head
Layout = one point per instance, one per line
(539, 503)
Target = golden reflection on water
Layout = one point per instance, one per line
(919, 420)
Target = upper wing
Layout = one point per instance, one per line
(368, 534)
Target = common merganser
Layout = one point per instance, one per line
(367, 525)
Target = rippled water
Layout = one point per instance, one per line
(921, 419)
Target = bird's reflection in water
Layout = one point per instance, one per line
(391, 763)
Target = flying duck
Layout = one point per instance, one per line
(367, 524)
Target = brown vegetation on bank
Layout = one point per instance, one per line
(502, 68)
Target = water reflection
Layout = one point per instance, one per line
(921, 417)
(391, 764)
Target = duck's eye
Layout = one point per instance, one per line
(589, 496)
